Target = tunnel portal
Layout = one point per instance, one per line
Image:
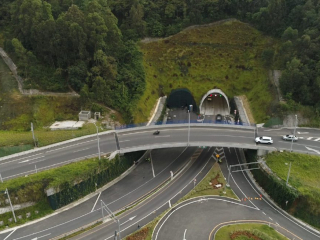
(214, 102)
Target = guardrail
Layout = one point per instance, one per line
(126, 126)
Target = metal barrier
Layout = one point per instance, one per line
(126, 126)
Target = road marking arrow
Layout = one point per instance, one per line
(311, 149)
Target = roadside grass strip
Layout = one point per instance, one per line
(262, 230)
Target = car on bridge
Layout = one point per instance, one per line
(264, 139)
(290, 138)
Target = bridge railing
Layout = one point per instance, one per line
(126, 126)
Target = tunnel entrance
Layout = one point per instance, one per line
(214, 102)
(181, 98)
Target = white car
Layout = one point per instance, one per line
(267, 140)
(290, 138)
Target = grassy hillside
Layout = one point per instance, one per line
(223, 55)
(304, 176)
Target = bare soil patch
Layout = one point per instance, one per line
(215, 181)
(236, 234)
(141, 235)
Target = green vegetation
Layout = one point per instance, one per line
(205, 189)
(44, 136)
(304, 176)
(304, 173)
(90, 46)
(36, 211)
(5, 151)
(264, 232)
(225, 55)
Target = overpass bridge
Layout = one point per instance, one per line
(142, 138)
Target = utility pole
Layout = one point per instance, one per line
(112, 216)
(98, 141)
(294, 133)
(14, 216)
(152, 164)
(189, 110)
(34, 139)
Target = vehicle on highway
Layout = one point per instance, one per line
(219, 118)
(264, 139)
(156, 132)
(290, 138)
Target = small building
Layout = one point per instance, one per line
(84, 115)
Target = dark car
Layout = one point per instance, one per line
(219, 118)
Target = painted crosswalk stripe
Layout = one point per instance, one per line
(309, 138)
(317, 139)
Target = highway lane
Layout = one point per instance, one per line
(170, 136)
(56, 156)
(200, 217)
(158, 203)
(135, 185)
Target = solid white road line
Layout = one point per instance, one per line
(21, 159)
(81, 150)
(43, 236)
(10, 234)
(60, 163)
(70, 146)
(96, 202)
(31, 159)
(184, 235)
(124, 141)
(162, 136)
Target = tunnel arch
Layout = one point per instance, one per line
(213, 91)
(181, 97)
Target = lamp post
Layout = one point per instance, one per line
(112, 216)
(294, 132)
(190, 109)
(288, 174)
(98, 140)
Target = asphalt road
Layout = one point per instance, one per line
(134, 186)
(137, 139)
(156, 204)
(196, 219)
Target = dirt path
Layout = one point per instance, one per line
(29, 92)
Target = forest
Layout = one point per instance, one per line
(90, 46)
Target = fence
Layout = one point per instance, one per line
(126, 126)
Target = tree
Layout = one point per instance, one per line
(290, 34)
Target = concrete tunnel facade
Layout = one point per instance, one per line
(214, 102)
